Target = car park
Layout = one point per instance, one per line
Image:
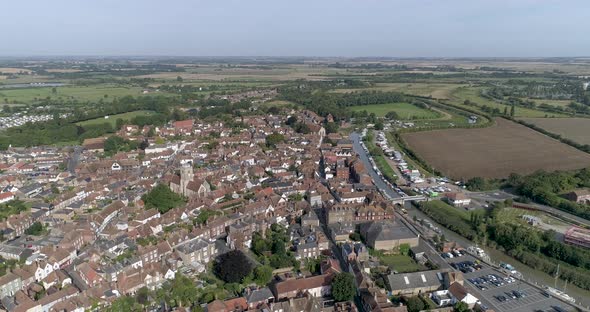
(510, 295)
(519, 294)
(501, 298)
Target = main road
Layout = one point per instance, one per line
(377, 179)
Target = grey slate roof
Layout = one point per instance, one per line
(415, 280)
(262, 294)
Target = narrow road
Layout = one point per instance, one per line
(74, 159)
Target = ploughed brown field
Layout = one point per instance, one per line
(494, 152)
(575, 129)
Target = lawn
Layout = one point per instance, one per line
(405, 111)
(113, 118)
(400, 263)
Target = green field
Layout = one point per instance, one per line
(113, 119)
(400, 263)
(405, 111)
(558, 103)
(472, 94)
(69, 93)
(434, 90)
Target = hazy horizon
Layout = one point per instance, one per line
(330, 28)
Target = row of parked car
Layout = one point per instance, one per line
(455, 253)
(467, 266)
(486, 281)
(510, 295)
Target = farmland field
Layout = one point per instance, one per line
(494, 152)
(575, 129)
(405, 111)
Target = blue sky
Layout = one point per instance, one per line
(412, 28)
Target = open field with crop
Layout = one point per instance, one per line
(405, 111)
(494, 152)
(435, 90)
(575, 129)
(113, 118)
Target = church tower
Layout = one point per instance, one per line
(186, 176)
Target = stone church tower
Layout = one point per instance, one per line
(186, 176)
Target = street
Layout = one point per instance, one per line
(377, 179)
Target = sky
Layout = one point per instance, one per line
(346, 28)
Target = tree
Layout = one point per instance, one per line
(404, 249)
(183, 291)
(273, 110)
(119, 123)
(143, 296)
(476, 184)
(302, 127)
(343, 288)
(355, 236)
(115, 144)
(461, 307)
(232, 266)
(177, 114)
(273, 139)
(151, 132)
(144, 144)
(379, 125)
(162, 198)
(35, 229)
(331, 127)
(392, 115)
(415, 304)
(291, 121)
(178, 78)
(262, 275)
(124, 303)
